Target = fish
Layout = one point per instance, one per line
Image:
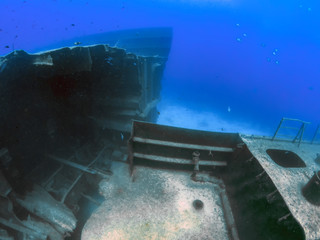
(77, 43)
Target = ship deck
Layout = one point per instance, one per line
(290, 180)
(157, 204)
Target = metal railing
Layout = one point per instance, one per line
(317, 132)
(300, 130)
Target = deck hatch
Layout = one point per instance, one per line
(285, 158)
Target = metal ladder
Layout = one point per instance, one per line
(300, 129)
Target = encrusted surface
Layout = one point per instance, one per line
(158, 204)
(290, 181)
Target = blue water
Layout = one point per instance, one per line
(234, 65)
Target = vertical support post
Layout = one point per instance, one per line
(275, 134)
(315, 134)
(301, 134)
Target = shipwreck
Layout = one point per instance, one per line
(81, 155)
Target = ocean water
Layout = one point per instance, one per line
(234, 65)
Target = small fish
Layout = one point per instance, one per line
(229, 109)
(77, 43)
(122, 137)
(6, 46)
(72, 24)
(158, 113)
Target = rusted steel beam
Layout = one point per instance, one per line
(270, 197)
(91, 199)
(284, 217)
(231, 225)
(72, 164)
(52, 176)
(70, 188)
(182, 145)
(179, 160)
(80, 167)
(260, 174)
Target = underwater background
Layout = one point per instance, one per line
(234, 65)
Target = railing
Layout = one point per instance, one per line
(300, 130)
(316, 134)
